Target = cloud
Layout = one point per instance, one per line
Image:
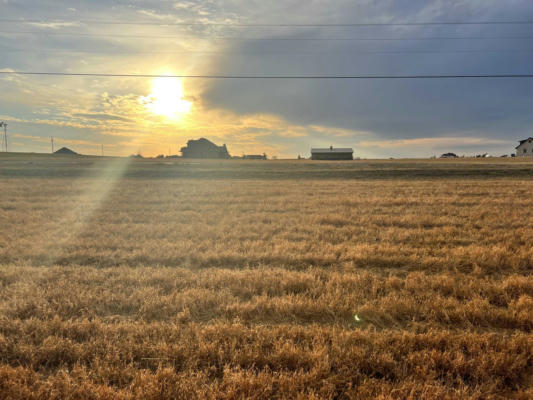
(155, 15)
(423, 147)
(100, 117)
(378, 118)
(52, 25)
(338, 132)
(434, 142)
(184, 5)
(34, 138)
(390, 109)
(297, 132)
(60, 140)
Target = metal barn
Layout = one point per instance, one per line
(332, 153)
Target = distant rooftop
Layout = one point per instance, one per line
(523, 141)
(65, 150)
(333, 150)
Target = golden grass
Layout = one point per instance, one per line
(248, 288)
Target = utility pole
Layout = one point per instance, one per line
(102, 149)
(4, 124)
(52, 140)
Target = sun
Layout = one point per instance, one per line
(167, 99)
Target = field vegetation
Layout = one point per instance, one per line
(144, 279)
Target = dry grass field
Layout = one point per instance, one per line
(144, 279)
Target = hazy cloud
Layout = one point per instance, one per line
(100, 117)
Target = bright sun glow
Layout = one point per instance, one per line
(167, 98)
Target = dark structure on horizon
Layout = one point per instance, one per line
(66, 151)
(203, 148)
(449, 155)
(255, 156)
(332, 154)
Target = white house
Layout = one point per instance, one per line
(525, 148)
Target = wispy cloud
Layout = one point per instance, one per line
(61, 141)
(434, 142)
(338, 132)
(30, 137)
(52, 25)
(100, 117)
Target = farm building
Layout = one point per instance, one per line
(66, 151)
(525, 148)
(332, 154)
(203, 148)
(448, 155)
(255, 156)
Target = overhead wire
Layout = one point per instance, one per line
(273, 25)
(422, 38)
(291, 53)
(124, 75)
(271, 38)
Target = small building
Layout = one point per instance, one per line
(65, 151)
(203, 148)
(255, 156)
(332, 154)
(448, 155)
(525, 148)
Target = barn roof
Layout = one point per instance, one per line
(65, 150)
(522, 141)
(333, 150)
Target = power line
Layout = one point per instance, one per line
(44, 51)
(268, 39)
(266, 25)
(88, 74)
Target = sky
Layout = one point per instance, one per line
(282, 118)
